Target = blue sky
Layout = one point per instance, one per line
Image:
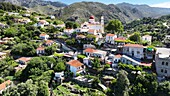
(154, 3)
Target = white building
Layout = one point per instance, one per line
(110, 38)
(42, 23)
(134, 50)
(147, 38)
(40, 50)
(75, 66)
(94, 53)
(44, 36)
(92, 24)
(68, 31)
(162, 62)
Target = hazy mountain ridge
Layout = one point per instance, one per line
(82, 10)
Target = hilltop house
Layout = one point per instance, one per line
(75, 66)
(40, 50)
(134, 50)
(94, 53)
(162, 62)
(110, 38)
(49, 42)
(2, 55)
(147, 38)
(44, 36)
(68, 31)
(5, 85)
(23, 60)
(42, 23)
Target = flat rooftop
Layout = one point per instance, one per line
(163, 52)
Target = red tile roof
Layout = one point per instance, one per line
(110, 35)
(134, 45)
(118, 56)
(145, 64)
(91, 30)
(4, 85)
(75, 63)
(43, 34)
(24, 59)
(49, 42)
(40, 48)
(90, 50)
(119, 39)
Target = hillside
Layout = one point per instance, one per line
(124, 11)
(82, 10)
(41, 6)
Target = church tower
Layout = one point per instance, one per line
(102, 23)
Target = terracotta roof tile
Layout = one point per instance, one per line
(118, 56)
(49, 42)
(90, 50)
(3, 85)
(110, 35)
(43, 34)
(75, 63)
(119, 39)
(134, 45)
(24, 59)
(40, 48)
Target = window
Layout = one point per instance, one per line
(162, 63)
(166, 63)
(138, 52)
(165, 71)
(162, 70)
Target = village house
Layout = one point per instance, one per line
(3, 25)
(49, 42)
(40, 50)
(52, 17)
(13, 13)
(134, 50)
(8, 39)
(5, 85)
(68, 31)
(162, 62)
(94, 53)
(59, 76)
(110, 38)
(147, 38)
(59, 26)
(2, 55)
(42, 23)
(119, 41)
(23, 60)
(44, 36)
(75, 66)
(26, 15)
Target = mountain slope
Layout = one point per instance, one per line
(42, 6)
(124, 11)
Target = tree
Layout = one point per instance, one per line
(51, 49)
(43, 89)
(96, 63)
(69, 24)
(10, 32)
(76, 25)
(164, 89)
(115, 26)
(37, 67)
(122, 84)
(60, 66)
(136, 37)
(22, 89)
